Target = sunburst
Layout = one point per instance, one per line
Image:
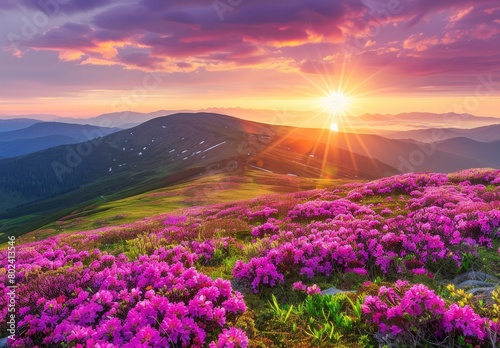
(337, 103)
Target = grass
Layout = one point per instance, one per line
(489, 260)
(77, 211)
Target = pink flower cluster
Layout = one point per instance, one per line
(416, 311)
(155, 301)
(269, 228)
(441, 222)
(262, 214)
(326, 209)
(310, 290)
(258, 272)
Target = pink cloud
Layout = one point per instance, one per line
(419, 42)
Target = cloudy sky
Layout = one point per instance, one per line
(86, 57)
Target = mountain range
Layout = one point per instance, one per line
(488, 133)
(176, 146)
(367, 123)
(180, 147)
(16, 123)
(44, 135)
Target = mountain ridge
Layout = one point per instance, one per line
(308, 119)
(81, 132)
(168, 146)
(487, 133)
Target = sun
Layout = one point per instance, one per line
(337, 103)
(334, 127)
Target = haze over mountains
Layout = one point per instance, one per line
(487, 134)
(421, 120)
(411, 156)
(367, 123)
(489, 152)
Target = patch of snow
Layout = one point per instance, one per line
(185, 158)
(197, 152)
(123, 149)
(202, 142)
(311, 155)
(171, 151)
(184, 151)
(265, 170)
(110, 169)
(213, 147)
(140, 153)
(302, 164)
(291, 175)
(144, 148)
(163, 126)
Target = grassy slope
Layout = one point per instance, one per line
(128, 206)
(157, 167)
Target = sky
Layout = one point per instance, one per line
(82, 58)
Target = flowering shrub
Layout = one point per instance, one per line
(325, 209)
(310, 290)
(269, 228)
(406, 314)
(443, 223)
(231, 338)
(154, 301)
(262, 214)
(259, 272)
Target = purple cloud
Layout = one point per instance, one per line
(416, 40)
(54, 7)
